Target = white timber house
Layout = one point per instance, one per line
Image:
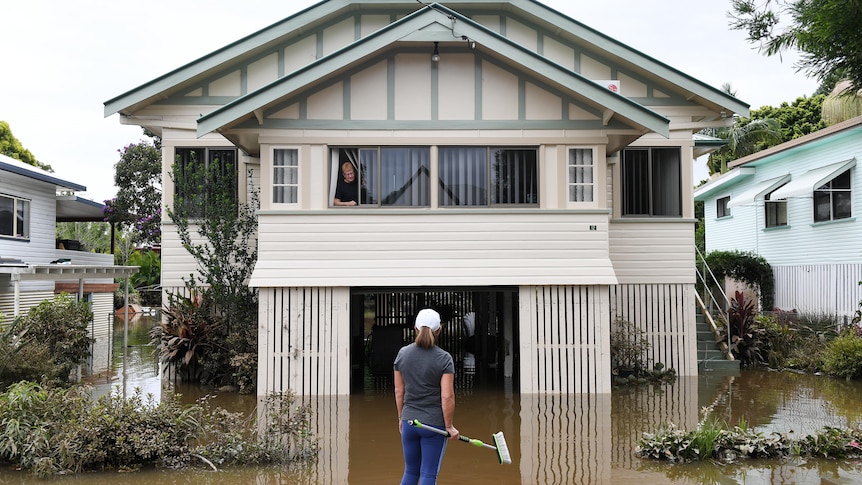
(519, 171)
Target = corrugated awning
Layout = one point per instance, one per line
(758, 190)
(804, 185)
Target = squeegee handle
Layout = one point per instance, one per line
(415, 422)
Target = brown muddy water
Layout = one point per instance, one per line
(553, 439)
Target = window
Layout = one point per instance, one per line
(776, 211)
(483, 176)
(832, 199)
(14, 217)
(721, 209)
(384, 176)
(203, 176)
(581, 175)
(652, 182)
(285, 176)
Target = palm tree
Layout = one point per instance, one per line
(743, 137)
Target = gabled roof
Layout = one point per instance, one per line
(418, 27)
(12, 165)
(294, 26)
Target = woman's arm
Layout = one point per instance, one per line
(447, 398)
(399, 396)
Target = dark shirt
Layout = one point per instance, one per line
(345, 192)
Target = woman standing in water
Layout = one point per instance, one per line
(424, 391)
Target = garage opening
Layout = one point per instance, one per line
(479, 330)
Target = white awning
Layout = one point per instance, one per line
(759, 189)
(806, 183)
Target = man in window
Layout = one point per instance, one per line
(347, 188)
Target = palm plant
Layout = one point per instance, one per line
(743, 137)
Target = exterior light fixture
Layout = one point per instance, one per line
(435, 57)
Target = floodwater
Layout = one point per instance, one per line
(553, 439)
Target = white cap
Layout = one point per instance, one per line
(428, 318)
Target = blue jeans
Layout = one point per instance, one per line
(423, 454)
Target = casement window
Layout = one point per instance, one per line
(285, 176)
(203, 176)
(652, 182)
(776, 211)
(721, 208)
(832, 200)
(581, 170)
(14, 217)
(487, 176)
(381, 177)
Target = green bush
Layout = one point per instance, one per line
(46, 344)
(51, 431)
(843, 357)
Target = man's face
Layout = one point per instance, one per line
(349, 174)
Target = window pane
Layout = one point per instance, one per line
(635, 174)
(580, 175)
(405, 177)
(7, 218)
(667, 182)
(463, 176)
(776, 213)
(368, 176)
(285, 175)
(721, 209)
(513, 176)
(841, 204)
(822, 206)
(22, 218)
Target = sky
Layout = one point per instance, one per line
(63, 60)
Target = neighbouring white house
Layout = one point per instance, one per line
(35, 265)
(515, 166)
(796, 205)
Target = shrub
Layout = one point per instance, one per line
(52, 431)
(843, 356)
(46, 344)
(744, 340)
(628, 346)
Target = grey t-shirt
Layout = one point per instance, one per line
(421, 369)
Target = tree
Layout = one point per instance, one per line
(743, 138)
(765, 128)
(225, 251)
(828, 34)
(138, 176)
(95, 236)
(12, 147)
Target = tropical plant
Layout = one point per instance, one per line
(149, 276)
(184, 337)
(740, 324)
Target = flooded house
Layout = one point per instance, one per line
(524, 174)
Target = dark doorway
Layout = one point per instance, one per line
(479, 330)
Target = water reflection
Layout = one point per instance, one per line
(553, 439)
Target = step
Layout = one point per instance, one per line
(718, 365)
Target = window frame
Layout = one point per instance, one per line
(721, 208)
(826, 195)
(199, 203)
(285, 182)
(640, 185)
(20, 218)
(774, 211)
(495, 186)
(573, 185)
